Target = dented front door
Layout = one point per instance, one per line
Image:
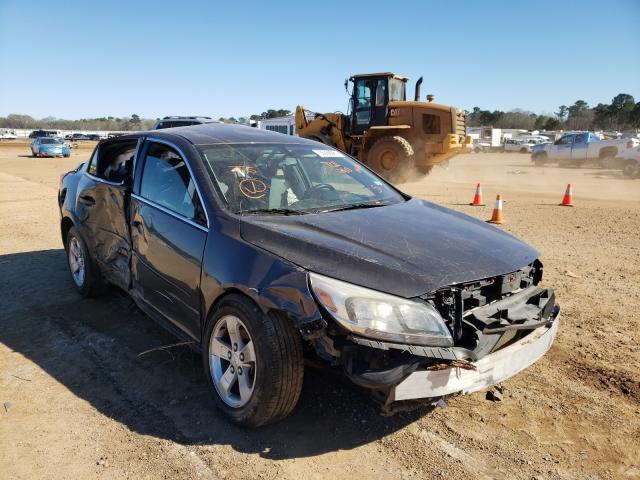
(169, 232)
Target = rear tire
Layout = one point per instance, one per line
(273, 368)
(631, 169)
(540, 160)
(392, 158)
(606, 161)
(85, 274)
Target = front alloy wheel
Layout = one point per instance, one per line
(253, 362)
(232, 361)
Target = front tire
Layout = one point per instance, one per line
(85, 274)
(392, 158)
(253, 362)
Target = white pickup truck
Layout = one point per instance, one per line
(579, 147)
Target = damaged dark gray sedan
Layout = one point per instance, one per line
(262, 249)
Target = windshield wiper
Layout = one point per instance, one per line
(271, 211)
(355, 206)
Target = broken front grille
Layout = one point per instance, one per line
(456, 301)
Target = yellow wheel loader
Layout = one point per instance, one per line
(397, 138)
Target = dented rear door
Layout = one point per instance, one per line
(102, 207)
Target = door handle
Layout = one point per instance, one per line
(87, 199)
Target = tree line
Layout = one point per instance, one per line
(623, 113)
(271, 113)
(134, 122)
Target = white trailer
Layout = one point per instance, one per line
(286, 125)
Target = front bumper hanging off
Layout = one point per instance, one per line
(489, 370)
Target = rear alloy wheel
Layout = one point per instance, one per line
(84, 272)
(392, 158)
(253, 362)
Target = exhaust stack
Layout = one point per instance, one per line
(418, 83)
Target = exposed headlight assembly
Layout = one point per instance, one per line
(379, 315)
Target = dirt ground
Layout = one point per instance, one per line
(77, 400)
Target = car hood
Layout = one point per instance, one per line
(407, 249)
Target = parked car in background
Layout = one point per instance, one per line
(6, 134)
(478, 145)
(518, 145)
(50, 147)
(177, 121)
(580, 147)
(631, 166)
(45, 133)
(75, 137)
(259, 249)
(535, 139)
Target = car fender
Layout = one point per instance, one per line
(273, 283)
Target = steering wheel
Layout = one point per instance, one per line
(318, 187)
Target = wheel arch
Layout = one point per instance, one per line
(229, 292)
(607, 152)
(65, 225)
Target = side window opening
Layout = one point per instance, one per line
(380, 94)
(113, 161)
(93, 163)
(362, 106)
(166, 181)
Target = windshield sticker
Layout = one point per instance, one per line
(242, 170)
(328, 153)
(253, 188)
(340, 168)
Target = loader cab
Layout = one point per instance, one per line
(370, 99)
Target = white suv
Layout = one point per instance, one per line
(171, 122)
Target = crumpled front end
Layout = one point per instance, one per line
(498, 325)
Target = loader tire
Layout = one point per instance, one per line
(392, 158)
(426, 169)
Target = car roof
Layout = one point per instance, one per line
(216, 133)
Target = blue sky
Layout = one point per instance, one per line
(83, 59)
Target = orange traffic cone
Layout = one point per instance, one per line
(477, 198)
(497, 212)
(567, 200)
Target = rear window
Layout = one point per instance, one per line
(178, 123)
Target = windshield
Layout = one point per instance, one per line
(290, 178)
(48, 140)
